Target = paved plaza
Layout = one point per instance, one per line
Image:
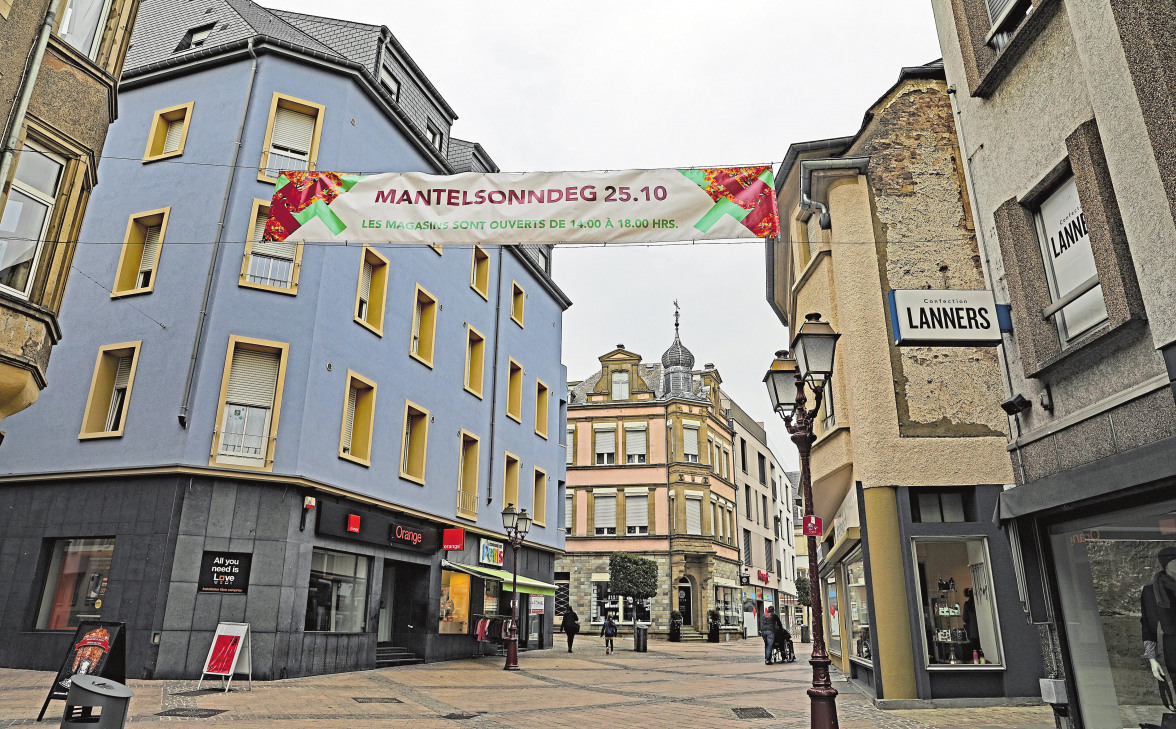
(673, 685)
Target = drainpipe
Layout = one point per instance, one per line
(220, 229)
(808, 166)
(26, 92)
(494, 378)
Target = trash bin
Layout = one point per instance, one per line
(94, 702)
(804, 634)
(641, 638)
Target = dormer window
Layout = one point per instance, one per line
(390, 84)
(195, 37)
(620, 385)
(435, 137)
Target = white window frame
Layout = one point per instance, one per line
(96, 43)
(1053, 311)
(39, 197)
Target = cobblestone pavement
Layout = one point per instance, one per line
(673, 685)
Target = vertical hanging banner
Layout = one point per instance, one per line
(525, 207)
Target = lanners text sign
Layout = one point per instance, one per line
(946, 318)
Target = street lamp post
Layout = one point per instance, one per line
(814, 347)
(517, 524)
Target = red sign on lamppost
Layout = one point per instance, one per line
(813, 526)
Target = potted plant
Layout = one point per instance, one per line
(675, 626)
(712, 623)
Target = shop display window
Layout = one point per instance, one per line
(728, 603)
(490, 592)
(604, 603)
(455, 602)
(832, 616)
(75, 585)
(859, 607)
(337, 599)
(960, 625)
(1116, 579)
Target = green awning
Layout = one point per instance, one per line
(526, 584)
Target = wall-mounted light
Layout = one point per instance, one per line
(308, 504)
(1016, 404)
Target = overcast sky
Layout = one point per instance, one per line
(571, 85)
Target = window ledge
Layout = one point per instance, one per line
(966, 667)
(1023, 36)
(288, 290)
(1090, 348)
(541, 435)
(420, 480)
(517, 418)
(100, 434)
(484, 294)
(166, 155)
(466, 515)
(131, 292)
(426, 362)
(516, 321)
(365, 462)
(475, 393)
(379, 332)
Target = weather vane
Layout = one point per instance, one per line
(676, 308)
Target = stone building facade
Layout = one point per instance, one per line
(918, 597)
(56, 102)
(1065, 114)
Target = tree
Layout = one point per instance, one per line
(632, 576)
(804, 594)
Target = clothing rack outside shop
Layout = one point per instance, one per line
(493, 629)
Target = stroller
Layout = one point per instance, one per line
(782, 649)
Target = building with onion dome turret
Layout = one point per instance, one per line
(650, 472)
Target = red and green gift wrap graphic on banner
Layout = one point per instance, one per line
(527, 207)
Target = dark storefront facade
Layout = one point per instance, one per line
(321, 587)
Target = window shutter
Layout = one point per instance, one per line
(271, 248)
(620, 385)
(606, 441)
(150, 249)
(996, 8)
(171, 139)
(634, 442)
(122, 376)
(293, 130)
(416, 327)
(406, 451)
(746, 547)
(693, 516)
(690, 440)
(570, 448)
(253, 376)
(636, 511)
(568, 513)
(349, 417)
(606, 512)
(365, 281)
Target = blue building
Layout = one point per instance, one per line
(317, 413)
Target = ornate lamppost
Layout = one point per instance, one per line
(517, 524)
(812, 366)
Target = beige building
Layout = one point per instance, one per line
(649, 472)
(918, 597)
(55, 116)
(1066, 117)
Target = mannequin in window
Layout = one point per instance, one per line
(971, 626)
(1158, 608)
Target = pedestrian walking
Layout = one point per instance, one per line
(768, 627)
(571, 626)
(609, 631)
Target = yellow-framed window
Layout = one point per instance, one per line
(110, 391)
(269, 265)
(414, 443)
(467, 475)
(542, 408)
(480, 272)
(514, 391)
(138, 262)
(424, 326)
(510, 479)
(475, 362)
(250, 404)
(371, 292)
(518, 302)
(291, 136)
(168, 132)
(539, 497)
(359, 417)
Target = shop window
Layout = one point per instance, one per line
(424, 326)
(542, 408)
(337, 599)
(370, 294)
(291, 137)
(359, 417)
(510, 480)
(514, 391)
(415, 443)
(455, 603)
(604, 517)
(491, 591)
(250, 402)
(75, 584)
(269, 264)
(637, 514)
(690, 442)
(729, 604)
(139, 259)
(621, 610)
(1077, 298)
(620, 385)
(110, 391)
(832, 616)
(518, 300)
(168, 133)
(1115, 574)
(539, 498)
(467, 476)
(859, 608)
(606, 444)
(475, 364)
(24, 224)
(958, 604)
(942, 505)
(480, 273)
(80, 23)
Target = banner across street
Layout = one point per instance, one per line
(530, 207)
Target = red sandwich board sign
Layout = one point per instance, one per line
(813, 527)
(230, 654)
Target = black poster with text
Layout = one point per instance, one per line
(225, 572)
(97, 649)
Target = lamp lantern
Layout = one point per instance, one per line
(814, 346)
(781, 383)
(524, 523)
(510, 517)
